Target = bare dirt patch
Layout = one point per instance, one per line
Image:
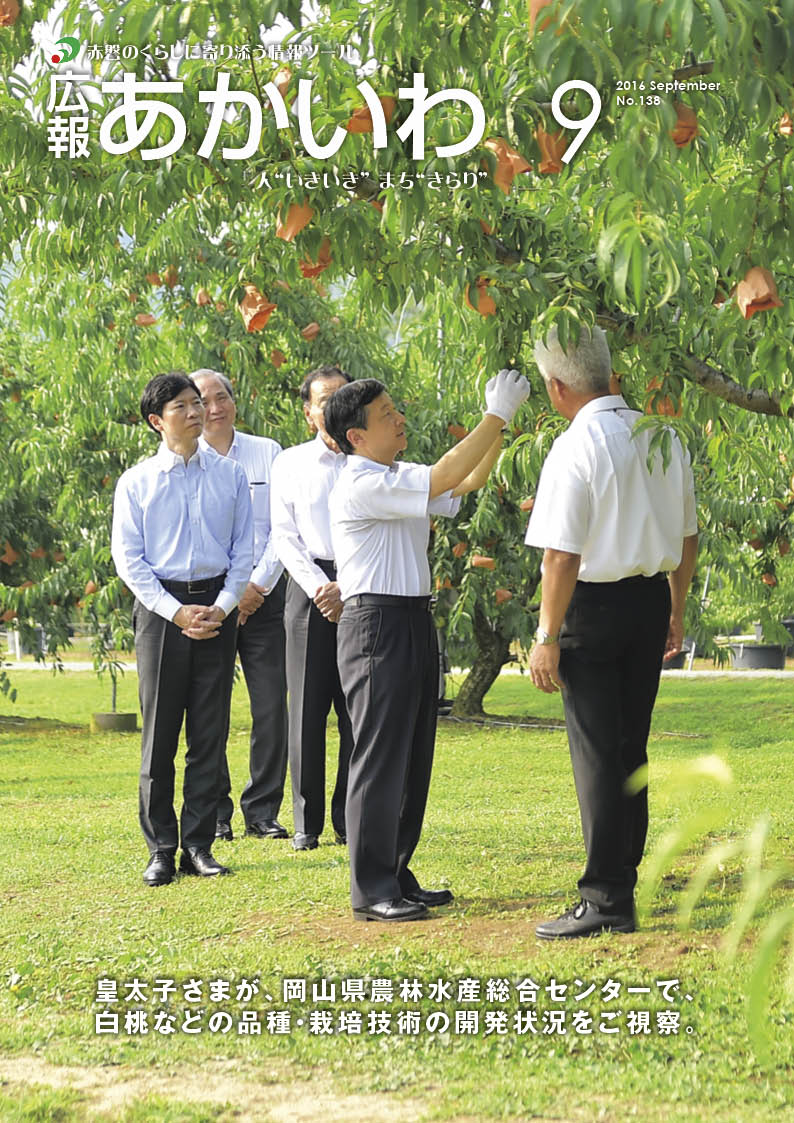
(491, 927)
(256, 1099)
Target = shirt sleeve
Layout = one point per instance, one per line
(561, 516)
(399, 492)
(444, 504)
(268, 567)
(288, 545)
(241, 548)
(129, 553)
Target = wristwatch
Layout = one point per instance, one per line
(544, 638)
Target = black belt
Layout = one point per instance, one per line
(637, 579)
(197, 586)
(327, 565)
(364, 599)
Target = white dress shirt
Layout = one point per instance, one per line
(181, 522)
(597, 498)
(301, 482)
(380, 526)
(255, 455)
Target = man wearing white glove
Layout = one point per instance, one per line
(386, 641)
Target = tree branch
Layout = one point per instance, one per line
(710, 379)
(715, 382)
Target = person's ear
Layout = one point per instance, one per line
(559, 387)
(307, 413)
(156, 421)
(355, 437)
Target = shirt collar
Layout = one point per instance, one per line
(234, 447)
(602, 404)
(166, 459)
(360, 463)
(322, 450)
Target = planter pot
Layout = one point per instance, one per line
(758, 656)
(788, 624)
(678, 662)
(114, 723)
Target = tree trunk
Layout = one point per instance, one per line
(493, 651)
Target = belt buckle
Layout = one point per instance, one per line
(194, 588)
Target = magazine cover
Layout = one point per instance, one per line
(419, 192)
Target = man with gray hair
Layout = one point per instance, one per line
(620, 543)
(260, 637)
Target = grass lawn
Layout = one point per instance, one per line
(502, 830)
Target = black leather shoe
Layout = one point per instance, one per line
(266, 828)
(432, 898)
(160, 870)
(585, 920)
(340, 838)
(401, 909)
(223, 830)
(197, 860)
(304, 841)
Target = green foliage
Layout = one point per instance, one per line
(635, 232)
(752, 904)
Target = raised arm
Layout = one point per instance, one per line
(470, 461)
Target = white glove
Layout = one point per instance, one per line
(504, 394)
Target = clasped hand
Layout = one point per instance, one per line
(199, 621)
(329, 601)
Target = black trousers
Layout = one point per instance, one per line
(612, 642)
(261, 647)
(181, 678)
(388, 663)
(313, 686)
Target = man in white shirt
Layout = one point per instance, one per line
(388, 655)
(182, 542)
(260, 635)
(611, 531)
(302, 480)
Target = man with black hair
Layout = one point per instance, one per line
(388, 656)
(301, 482)
(182, 541)
(260, 636)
